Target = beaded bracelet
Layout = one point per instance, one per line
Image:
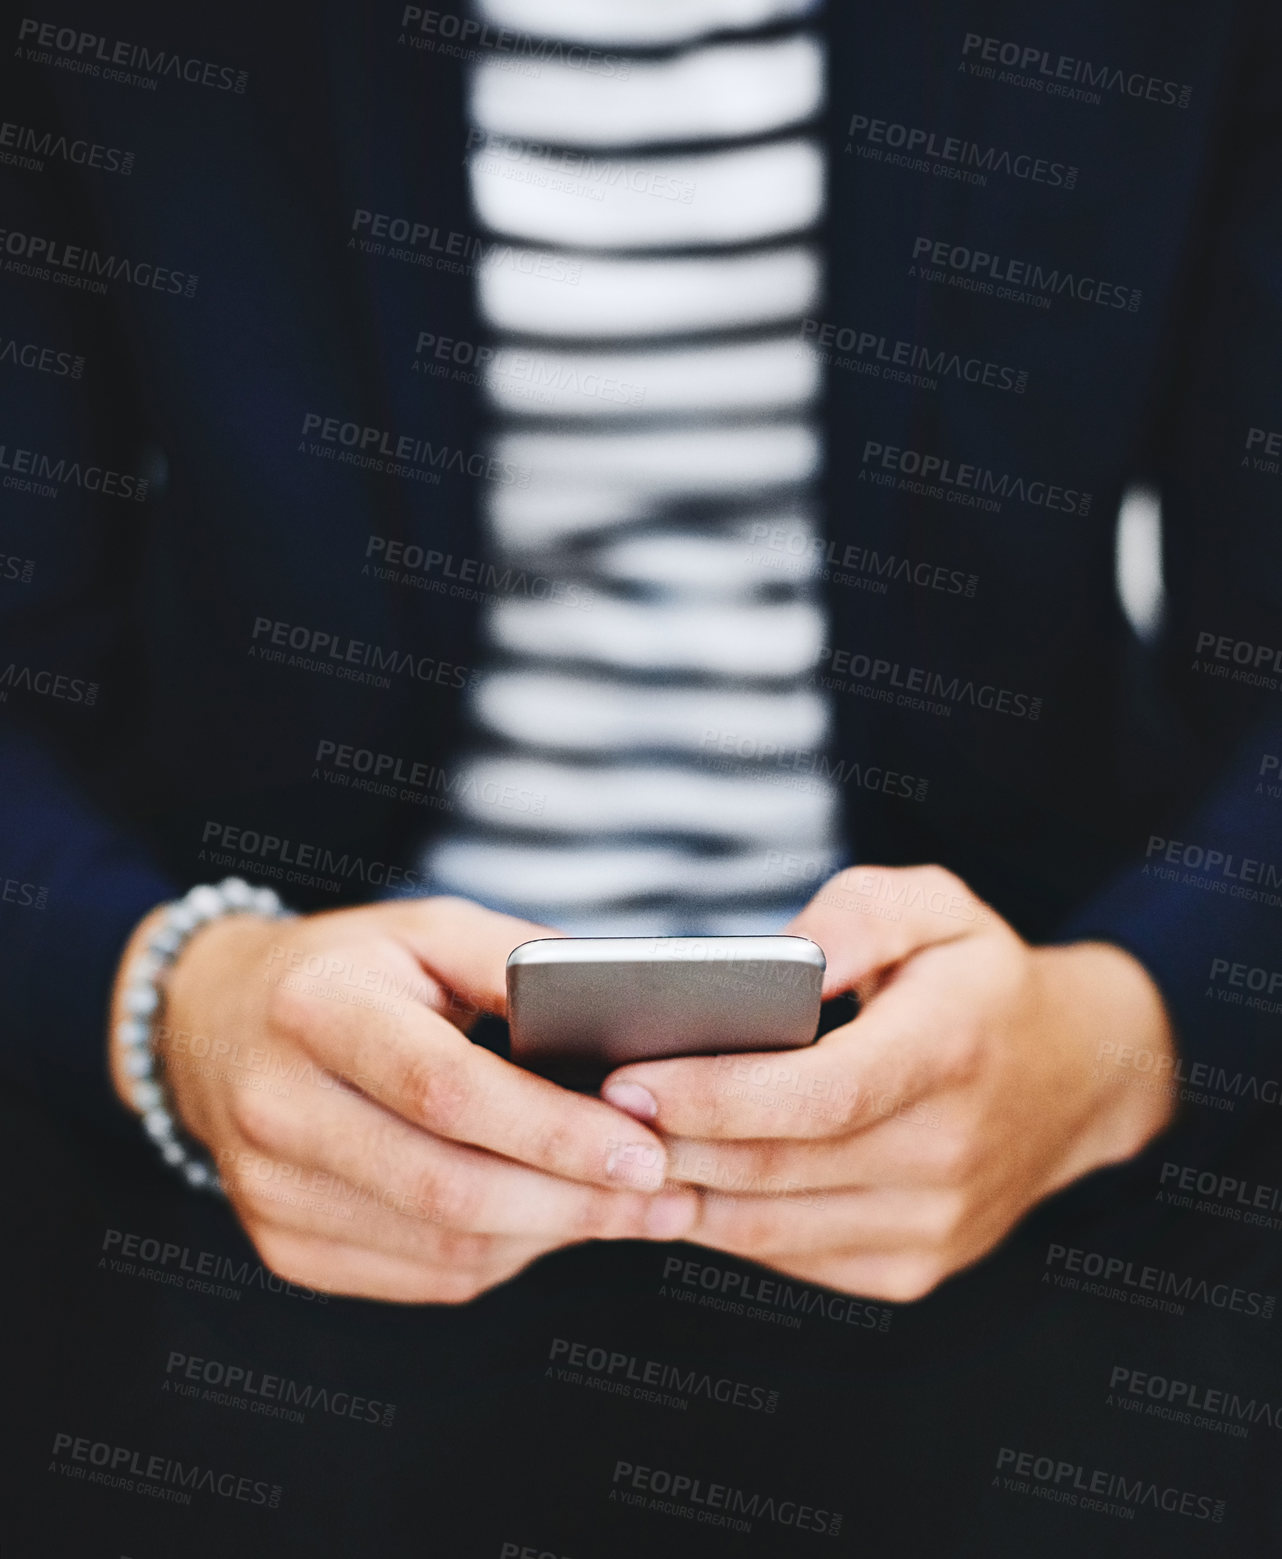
(143, 1002)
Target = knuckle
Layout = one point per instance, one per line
(256, 1117)
(255, 1182)
(940, 878)
(752, 1225)
(279, 1255)
(287, 1011)
(451, 1197)
(461, 1253)
(944, 1217)
(954, 1159)
(961, 1052)
(607, 1215)
(438, 1091)
(910, 1279)
(454, 1288)
(554, 1144)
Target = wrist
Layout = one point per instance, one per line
(140, 1003)
(1116, 1013)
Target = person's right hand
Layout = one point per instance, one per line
(367, 1145)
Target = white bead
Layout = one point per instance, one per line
(131, 1032)
(158, 1124)
(236, 892)
(137, 1064)
(205, 902)
(196, 1173)
(181, 918)
(147, 1095)
(171, 1153)
(165, 943)
(141, 1000)
(266, 902)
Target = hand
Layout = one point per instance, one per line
(906, 1144)
(367, 1146)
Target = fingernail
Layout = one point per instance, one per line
(638, 1102)
(637, 1164)
(669, 1215)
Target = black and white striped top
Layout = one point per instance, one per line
(646, 731)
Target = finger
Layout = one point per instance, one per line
(869, 918)
(334, 1267)
(916, 1146)
(766, 1228)
(419, 1066)
(347, 1156)
(465, 945)
(902, 1047)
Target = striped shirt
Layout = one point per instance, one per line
(648, 742)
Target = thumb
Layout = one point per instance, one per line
(465, 946)
(869, 918)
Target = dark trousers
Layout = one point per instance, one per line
(1107, 1383)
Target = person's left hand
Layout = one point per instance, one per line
(906, 1144)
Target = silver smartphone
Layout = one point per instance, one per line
(580, 1004)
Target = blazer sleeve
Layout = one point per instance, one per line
(1201, 903)
(75, 876)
